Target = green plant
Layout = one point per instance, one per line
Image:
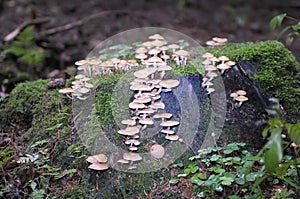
(24, 48)
(292, 31)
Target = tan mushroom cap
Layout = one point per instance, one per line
(134, 105)
(156, 97)
(154, 59)
(132, 130)
(223, 58)
(172, 137)
(158, 43)
(99, 158)
(223, 66)
(153, 81)
(142, 100)
(164, 48)
(210, 90)
(230, 63)
(156, 36)
(169, 123)
(211, 43)
(132, 148)
(157, 151)
(140, 87)
(207, 55)
(147, 44)
(145, 72)
(146, 121)
(98, 166)
(208, 83)
(220, 39)
(66, 90)
(162, 115)
(214, 59)
(233, 95)
(84, 90)
(241, 98)
(141, 56)
(129, 122)
(241, 92)
(210, 68)
(212, 74)
(153, 51)
(183, 53)
(165, 57)
(79, 76)
(168, 131)
(132, 141)
(146, 111)
(81, 62)
(170, 83)
(141, 50)
(132, 156)
(123, 161)
(157, 105)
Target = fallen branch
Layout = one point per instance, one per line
(11, 36)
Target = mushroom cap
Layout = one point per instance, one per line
(223, 58)
(173, 46)
(153, 81)
(156, 97)
(169, 123)
(230, 63)
(146, 111)
(157, 105)
(146, 121)
(129, 122)
(79, 76)
(172, 137)
(123, 161)
(165, 56)
(241, 98)
(132, 148)
(211, 43)
(98, 166)
(145, 72)
(214, 59)
(210, 68)
(133, 141)
(66, 90)
(220, 39)
(206, 62)
(154, 60)
(84, 90)
(99, 158)
(183, 53)
(153, 51)
(158, 43)
(139, 80)
(167, 131)
(234, 95)
(156, 36)
(132, 156)
(241, 92)
(88, 85)
(140, 87)
(164, 48)
(134, 105)
(164, 68)
(223, 66)
(170, 83)
(147, 44)
(141, 50)
(208, 83)
(163, 115)
(132, 130)
(212, 74)
(210, 90)
(141, 56)
(81, 62)
(142, 100)
(207, 55)
(157, 151)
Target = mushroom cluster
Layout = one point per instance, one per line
(157, 46)
(80, 88)
(99, 162)
(211, 65)
(240, 97)
(217, 41)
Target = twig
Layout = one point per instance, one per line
(79, 22)
(11, 36)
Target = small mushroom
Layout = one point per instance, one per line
(241, 99)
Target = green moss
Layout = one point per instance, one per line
(74, 193)
(277, 69)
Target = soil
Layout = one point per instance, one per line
(237, 20)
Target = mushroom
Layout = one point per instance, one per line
(210, 90)
(162, 70)
(141, 50)
(220, 41)
(223, 67)
(67, 91)
(142, 57)
(154, 52)
(132, 157)
(211, 75)
(183, 55)
(157, 105)
(163, 116)
(172, 137)
(173, 47)
(156, 37)
(129, 131)
(241, 99)
(170, 83)
(129, 122)
(169, 124)
(98, 162)
(211, 43)
(167, 131)
(241, 92)
(157, 151)
(98, 166)
(223, 59)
